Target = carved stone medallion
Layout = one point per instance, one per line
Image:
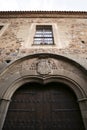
(43, 67)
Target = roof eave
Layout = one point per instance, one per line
(42, 14)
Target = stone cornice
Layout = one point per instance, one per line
(43, 14)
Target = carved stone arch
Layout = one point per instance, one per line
(80, 94)
(31, 69)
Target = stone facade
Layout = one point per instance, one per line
(17, 38)
(21, 61)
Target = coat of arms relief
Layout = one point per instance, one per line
(45, 66)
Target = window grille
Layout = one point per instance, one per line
(43, 35)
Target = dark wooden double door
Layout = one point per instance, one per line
(43, 107)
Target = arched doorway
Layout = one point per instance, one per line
(36, 106)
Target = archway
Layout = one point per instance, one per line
(31, 68)
(49, 106)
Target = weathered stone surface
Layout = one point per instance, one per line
(39, 63)
(72, 34)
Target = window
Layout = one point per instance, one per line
(43, 35)
(1, 27)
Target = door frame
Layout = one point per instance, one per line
(65, 83)
(59, 69)
(58, 79)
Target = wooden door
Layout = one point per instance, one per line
(43, 107)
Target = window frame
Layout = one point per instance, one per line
(45, 36)
(3, 28)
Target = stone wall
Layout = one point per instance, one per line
(72, 33)
(22, 62)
